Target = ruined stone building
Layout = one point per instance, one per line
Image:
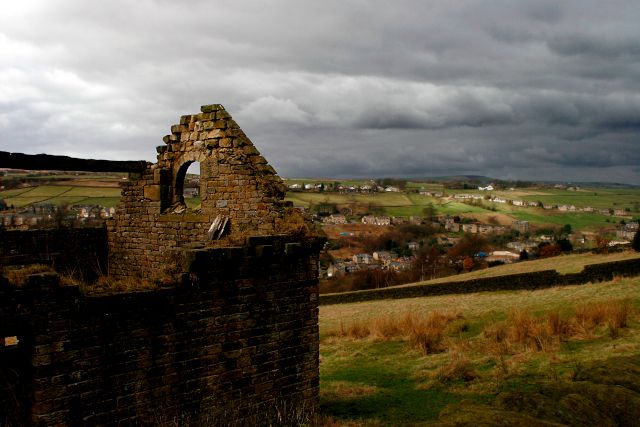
(209, 316)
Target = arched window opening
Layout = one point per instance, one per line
(191, 186)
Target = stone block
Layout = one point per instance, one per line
(226, 143)
(152, 192)
(211, 107)
(222, 114)
(216, 133)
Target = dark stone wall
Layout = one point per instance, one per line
(78, 251)
(525, 281)
(235, 343)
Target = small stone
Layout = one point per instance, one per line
(216, 133)
(250, 150)
(211, 143)
(211, 107)
(222, 114)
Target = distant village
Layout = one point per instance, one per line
(43, 215)
(448, 231)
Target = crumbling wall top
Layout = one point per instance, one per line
(240, 195)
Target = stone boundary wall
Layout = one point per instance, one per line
(235, 343)
(66, 163)
(78, 251)
(525, 281)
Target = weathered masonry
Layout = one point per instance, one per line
(241, 196)
(229, 334)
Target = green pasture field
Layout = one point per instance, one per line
(614, 198)
(370, 379)
(594, 197)
(578, 221)
(379, 199)
(411, 204)
(60, 195)
(427, 186)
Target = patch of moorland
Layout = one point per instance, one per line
(470, 359)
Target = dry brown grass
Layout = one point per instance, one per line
(425, 333)
(614, 314)
(353, 330)
(108, 284)
(459, 368)
(522, 331)
(18, 276)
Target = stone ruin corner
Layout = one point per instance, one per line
(241, 197)
(230, 339)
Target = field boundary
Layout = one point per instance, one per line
(523, 281)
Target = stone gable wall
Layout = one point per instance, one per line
(236, 184)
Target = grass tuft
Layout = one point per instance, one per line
(459, 368)
(108, 284)
(18, 276)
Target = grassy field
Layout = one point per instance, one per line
(563, 264)
(377, 367)
(62, 194)
(406, 205)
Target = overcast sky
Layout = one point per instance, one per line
(352, 88)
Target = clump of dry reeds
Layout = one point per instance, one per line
(426, 333)
(522, 331)
(614, 314)
(352, 330)
(458, 368)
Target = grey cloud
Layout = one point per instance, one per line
(503, 88)
(587, 45)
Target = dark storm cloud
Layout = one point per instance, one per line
(503, 88)
(586, 45)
